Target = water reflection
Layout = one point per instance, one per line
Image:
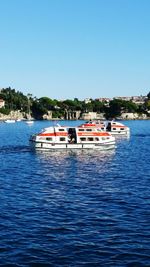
(64, 164)
(80, 155)
(66, 173)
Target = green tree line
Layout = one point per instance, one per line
(15, 100)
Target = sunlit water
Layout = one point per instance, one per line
(74, 208)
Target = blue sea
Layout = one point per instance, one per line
(82, 208)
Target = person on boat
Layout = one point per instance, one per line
(71, 139)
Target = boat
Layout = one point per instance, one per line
(10, 121)
(63, 137)
(29, 122)
(113, 127)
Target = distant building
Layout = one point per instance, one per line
(125, 98)
(2, 103)
(104, 99)
(89, 116)
(139, 100)
(87, 100)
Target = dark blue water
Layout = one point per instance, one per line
(74, 209)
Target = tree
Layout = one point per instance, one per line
(148, 95)
(38, 110)
(114, 109)
(97, 106)
(47, 103)
(14, 100)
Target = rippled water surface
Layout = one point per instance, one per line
(74, 208)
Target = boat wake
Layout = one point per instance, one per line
(14, 149)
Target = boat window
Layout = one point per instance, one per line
(81, 130)
(90, 139)
(114, 128)
(102, 128)
(49, 138)
(122, 129)
(82, 139)
(96, 139)
(61, 130)
(62, 139)
(89, 130)
(42, 138)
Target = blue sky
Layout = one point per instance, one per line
(75, 48)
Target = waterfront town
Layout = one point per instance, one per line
(15, 105)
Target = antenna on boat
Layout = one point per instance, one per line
(56, 124)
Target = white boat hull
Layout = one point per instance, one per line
(29, 122)
(10, 121)
(121, 133)
(47, 146)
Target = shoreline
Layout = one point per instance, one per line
(56, 119)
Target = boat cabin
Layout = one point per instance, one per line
(115, 126)
(72, 135)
